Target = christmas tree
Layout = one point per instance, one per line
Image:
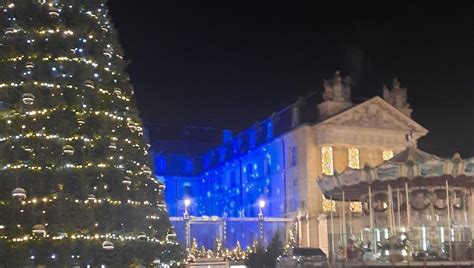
(76, 178)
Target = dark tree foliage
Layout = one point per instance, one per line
(74, 166)
(267, 257)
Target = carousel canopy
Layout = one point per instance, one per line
(417, 168)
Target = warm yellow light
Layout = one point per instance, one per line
(353, 158)
(387, 155)
(327, 160)
(329, 205)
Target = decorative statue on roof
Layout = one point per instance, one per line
(397, 96)
(337, 89)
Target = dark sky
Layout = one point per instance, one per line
(227, 64)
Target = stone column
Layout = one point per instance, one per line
(339, 158)
(324, 233)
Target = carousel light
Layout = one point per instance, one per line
(142, 237)
(107, 245)
(28, 98)
(127, 181)
(68, 150)
(89, 84)
(30, 65)
(39, 229)
(19, 193)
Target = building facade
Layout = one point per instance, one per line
(280, 158)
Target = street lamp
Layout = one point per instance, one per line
(261, 205)
(186, 219)
(187, 202)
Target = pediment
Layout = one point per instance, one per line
(375, 113)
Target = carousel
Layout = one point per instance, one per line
(417, 209)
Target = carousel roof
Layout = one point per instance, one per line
(418, 168)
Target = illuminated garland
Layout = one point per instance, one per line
(62, 59)
(56, 86)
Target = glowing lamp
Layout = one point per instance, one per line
(171, 234)
(89, 84)
(108, 52)
(187, 202)
(161, 204)
(28, 98)
(142, 237)
(113, 146)
(39, 229)
(162, 187)
(117, 91)
(68, 150)
(107, 245)
(261, 204)
(91, 198)
(19, 193)
(53, 12)
(127, 181)
(132, 126)
(146, 170)
(10, 30)
(30, 65)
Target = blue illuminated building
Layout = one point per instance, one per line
(227, 175)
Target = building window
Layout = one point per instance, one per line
(218, 183)
(161, 163)
(353, 158)
(189, 166)
(387, 155)
(269, 129)
(249, 170)
(295, 182)
(252, 138)
(329, 205)
(327, 160)
(267, 164)
(188, 191)
(233, 179)
(295, 116)
(293, 156)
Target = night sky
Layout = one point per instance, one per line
(227, 64)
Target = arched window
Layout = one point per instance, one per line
(249, 170)
(327, 160)
(233, 179)
(267, 164)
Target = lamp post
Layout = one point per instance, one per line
(261, 205)
(187, 226)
